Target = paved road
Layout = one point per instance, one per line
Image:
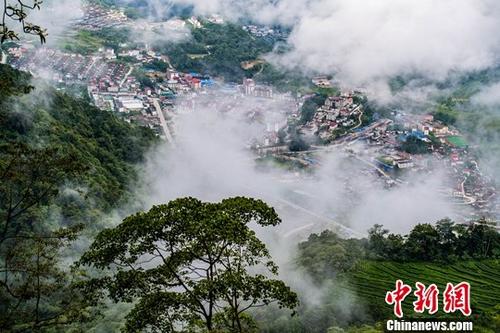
(126, 76)
(94, 60)
(348, 231)
(274, 199)
(163, 122)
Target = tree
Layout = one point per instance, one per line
(482, 241)
(29, 178)
(447, 235)
(423, 242)
(310, 107)
(188, 263)
(327, 254)
(377, 244)
(414, 145)
(297, 142)
(17, 11)
(35, 292)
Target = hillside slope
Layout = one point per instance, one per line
(45, 118)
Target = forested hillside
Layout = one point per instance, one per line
(64, 164)
(105, 145)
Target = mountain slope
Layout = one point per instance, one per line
(45, 118)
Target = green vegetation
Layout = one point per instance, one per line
(457, 141)
(141, 76)
(479, 124)
(326, 254)
(225, 47)
(310, 107)
(107, 145)
(135, 9)
(199, 257)
(446, 114)
(63, 165)
(355, 274)
(444, 242)
(157, 65)
(414, 145)
(297, 142)
(372, 279)
(282, 79)
(86, 41)
(323, 91)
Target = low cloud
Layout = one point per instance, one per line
(363, 42)
(157, 33)
(488, 96)
(212, 161)
(56, 17)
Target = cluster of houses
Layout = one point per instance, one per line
(68, 68)
(250, 88)
(338, 112)
(182, 83)
(97, 17)
(264, 32)
(467, 183)
(419, 128)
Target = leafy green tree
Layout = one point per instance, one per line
(377, 244)
(327, 254)
(395, 247)
(414, 145)
(186, 265)
(297, 141)
(35, 293)
(447, 235)
(423, 242)
(482, 241)
(29, 178)
(310, 107)
(446, 114)
(61, 166)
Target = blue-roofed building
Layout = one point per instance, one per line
(416, 134)
(207, 83)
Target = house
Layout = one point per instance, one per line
(195, 83)
(441, 130)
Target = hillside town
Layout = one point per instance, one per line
(98, 17)
(395, 147)
(338, 115)
(230, 166)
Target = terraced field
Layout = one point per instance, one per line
(371, 280)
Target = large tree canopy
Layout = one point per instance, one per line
(190, 264)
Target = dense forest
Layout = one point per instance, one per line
(64, 165)
(217, 49)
